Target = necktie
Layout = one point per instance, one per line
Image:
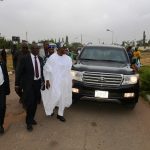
(36, 68)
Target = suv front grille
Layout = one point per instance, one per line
(102, 79)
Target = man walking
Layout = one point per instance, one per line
(13, 52)
(43, 53)
(30, 73)
(18, 56)
(4, 90)
(130, 53)
(50, 51)
(57, 74)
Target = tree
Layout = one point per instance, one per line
(74, 46)
(144, 39)
(5, 43)
(123, 43)
(140, 43)
(148, 42)
(63, 40)
(52, 41)
(67, 40)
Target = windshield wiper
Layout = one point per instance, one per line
(102, 60)
(113, 61)
(88, 59)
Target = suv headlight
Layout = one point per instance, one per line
(130, 79)
(76, 75)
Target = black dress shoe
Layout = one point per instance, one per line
(61, 118)
(34, 122)
(1, 130)
(29, 127)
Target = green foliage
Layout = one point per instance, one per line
(145, 78)
(51, 41)
(74, 46)
(5, 43)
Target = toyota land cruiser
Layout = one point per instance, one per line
(104, 73)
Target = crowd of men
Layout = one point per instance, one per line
(43, 74)
(47, 78)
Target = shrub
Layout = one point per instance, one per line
(145, 78)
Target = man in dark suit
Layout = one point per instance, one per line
(4, 55)
(13, 52)
(18, 56)
(4, 90)
(29, 71)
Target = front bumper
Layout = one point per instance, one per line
(114, 93)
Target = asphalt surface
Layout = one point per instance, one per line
(89, 126)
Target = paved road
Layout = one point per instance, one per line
(89, 126)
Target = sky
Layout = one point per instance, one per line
(46, 19)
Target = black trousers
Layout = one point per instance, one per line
(31, 98)
(2, 105)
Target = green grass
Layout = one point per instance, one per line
(145, 80)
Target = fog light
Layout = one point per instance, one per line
(75, 90)
(127, 95)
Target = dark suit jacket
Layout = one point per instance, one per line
(4, 56)
(18, 56)
(6, 78)
(25, 72)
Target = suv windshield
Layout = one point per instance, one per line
(104, 54)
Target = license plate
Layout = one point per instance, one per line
(101, 94)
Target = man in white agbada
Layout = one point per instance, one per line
(57, 74)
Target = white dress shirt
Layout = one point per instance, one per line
(39, 68)
(1, 76)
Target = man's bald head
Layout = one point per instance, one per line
(45, 45)
(24, 48)
(35, 49)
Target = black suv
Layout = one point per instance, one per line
(104, 73)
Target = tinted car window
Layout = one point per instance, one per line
(104, 54)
